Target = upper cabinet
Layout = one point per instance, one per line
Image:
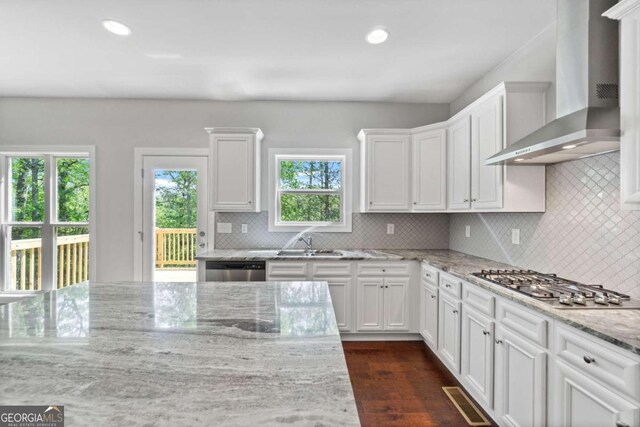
(235, 169)
(459, 177)
(628, 12)
(429, 170)
(385, 171)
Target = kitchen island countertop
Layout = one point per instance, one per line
(178, 354)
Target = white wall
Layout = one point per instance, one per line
(115, 127)
(535, 61)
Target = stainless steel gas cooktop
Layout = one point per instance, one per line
(559, 292)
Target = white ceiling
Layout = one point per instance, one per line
(260, 49)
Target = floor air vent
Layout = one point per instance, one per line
(466, 407)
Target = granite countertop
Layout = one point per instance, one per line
(272, 255)
(179, 354)
(617, 326)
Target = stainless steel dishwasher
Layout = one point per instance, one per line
(235, 271)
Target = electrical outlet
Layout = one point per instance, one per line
(515, 236)
(467, 231)
(244, 229)
(391, 228)
(224, 228)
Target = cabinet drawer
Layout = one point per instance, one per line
(383, 269)
(296, 270)
(599, 360)
(522, 321)
(331, 269)
(450, 285)
(429, 274)
(479, 299)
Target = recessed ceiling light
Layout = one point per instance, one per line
(519, 160)
(377, 36)
(568, 147)
(116, 27)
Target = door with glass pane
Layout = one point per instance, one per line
(174, 216)
(46, 221)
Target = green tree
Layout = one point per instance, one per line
(176, 199)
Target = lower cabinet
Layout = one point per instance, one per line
(340, 290)
(429, 315)
(477, 354)
(582, 402)
(383, 304)
(449, 331)
(520, 380)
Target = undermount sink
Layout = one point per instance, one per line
(313, 253)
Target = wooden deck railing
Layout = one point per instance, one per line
(175, 247)
(26, 262)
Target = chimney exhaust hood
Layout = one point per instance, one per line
(586, 91)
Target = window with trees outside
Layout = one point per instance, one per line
(46, 221)
(311, 190)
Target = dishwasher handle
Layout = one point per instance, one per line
(236, 265)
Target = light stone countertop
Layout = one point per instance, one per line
(179, 354)
(620, 327)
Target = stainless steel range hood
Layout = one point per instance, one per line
(586, 90)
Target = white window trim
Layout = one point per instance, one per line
(48, 273)
(343, 155)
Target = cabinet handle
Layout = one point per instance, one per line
(249, 201)
(473, 200)
(387, 286)
(486, 332)
(415, 203)
(433, 296)
(370, 203)
(621, 424)
(427, 274)
(384, 271)
(381, 286)
(455, 311)
(465, 200)
(498, 341)
(588, 359)
(447, 285)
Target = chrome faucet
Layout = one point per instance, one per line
(308, 242)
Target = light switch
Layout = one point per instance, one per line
(224, 228)
(244, 228)
(391, 229)
(467, 231)
(515, 236)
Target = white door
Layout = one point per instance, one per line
(486, 140)
(388, 173)
(477, 354)
(429, 315)
(581, 402)
(430, 170)
(396, 302)
(340, 289)
(459, 169)
(174, 227)
(370, 297)
(449, 331)
(520, 380)
(233, 169)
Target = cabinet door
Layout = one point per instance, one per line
(370, 300)
(582, 402)
(520, 380)
(396, 304)
(477, 354)
(387, 173)
(429, 315)
(340, 289)
(449, 331)
(486, 140)
(430, 171)
(233, 168)
(459, 169)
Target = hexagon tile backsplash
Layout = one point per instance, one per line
(582, 236)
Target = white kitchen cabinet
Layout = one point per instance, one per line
(235, 169)
(429, 315)
(385, 171)
(459, 167)
(383, 304)
(628, 12)
(449, 331)
(486, 140)
(370, 310)
(520, 380)
(477, 354)
(582, 402)
(340, 290)
(429, 170)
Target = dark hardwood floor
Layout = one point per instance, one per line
(400, 384)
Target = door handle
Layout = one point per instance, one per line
(202, 245)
